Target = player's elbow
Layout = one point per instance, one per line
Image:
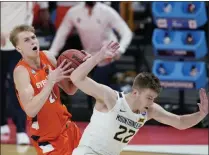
(180, 127)
(181, 124)
(30, 113)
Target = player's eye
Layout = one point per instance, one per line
(26, 40)
(149, 98)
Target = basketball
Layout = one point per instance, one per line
(72, 55)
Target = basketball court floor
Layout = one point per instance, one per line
(150, 140)
(7, 149)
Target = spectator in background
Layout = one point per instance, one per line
(62, 8)
(94, 22)
(41, 15)
(13, 14)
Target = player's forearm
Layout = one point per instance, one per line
(68, 87)
(80, 73)
(190, 120)
(37, 102)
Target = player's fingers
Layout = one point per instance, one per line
(62, 64)
(116, 50)
(203, 94)
(110, 44)
(68, 71)
(85, 53)
(115, 45)
(66, 66)
(66, 77)
(87, 57)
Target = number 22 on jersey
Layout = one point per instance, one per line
(124, 134)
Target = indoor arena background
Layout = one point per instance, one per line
(174, 46)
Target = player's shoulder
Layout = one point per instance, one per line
(20, 71)
(50, 57)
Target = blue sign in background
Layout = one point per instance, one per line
(178, 73)
(179, 17)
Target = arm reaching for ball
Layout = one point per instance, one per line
(65, 84)
(100, 92)
(31, 103)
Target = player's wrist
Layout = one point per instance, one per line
(202, 113)
(51, 82)
(99, 57)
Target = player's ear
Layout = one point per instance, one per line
(135, 92)
(18, 49)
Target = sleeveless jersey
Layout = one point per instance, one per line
(52, 117)
(108, 133)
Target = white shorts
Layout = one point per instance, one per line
(84, 150)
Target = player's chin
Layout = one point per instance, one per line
(34, 53)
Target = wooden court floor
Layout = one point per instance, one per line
(11, 149)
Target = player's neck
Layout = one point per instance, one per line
(131, 102)
(34, 63)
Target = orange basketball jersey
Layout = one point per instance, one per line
(53, 116)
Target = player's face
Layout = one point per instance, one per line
(28, 44)
(146, 98)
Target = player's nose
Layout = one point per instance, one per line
(150, 103)
(33, 42)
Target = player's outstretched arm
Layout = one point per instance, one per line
(87, 85)
(68, 87)
(32, 104)
(184, 121)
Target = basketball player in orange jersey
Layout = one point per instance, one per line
(37, 82)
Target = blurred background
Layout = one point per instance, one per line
(169, 39)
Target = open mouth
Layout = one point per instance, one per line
(35, 48)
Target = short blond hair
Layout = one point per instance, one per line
(147, 80)
(18, 29)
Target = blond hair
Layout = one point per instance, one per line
(18, 29)
(147, 80)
